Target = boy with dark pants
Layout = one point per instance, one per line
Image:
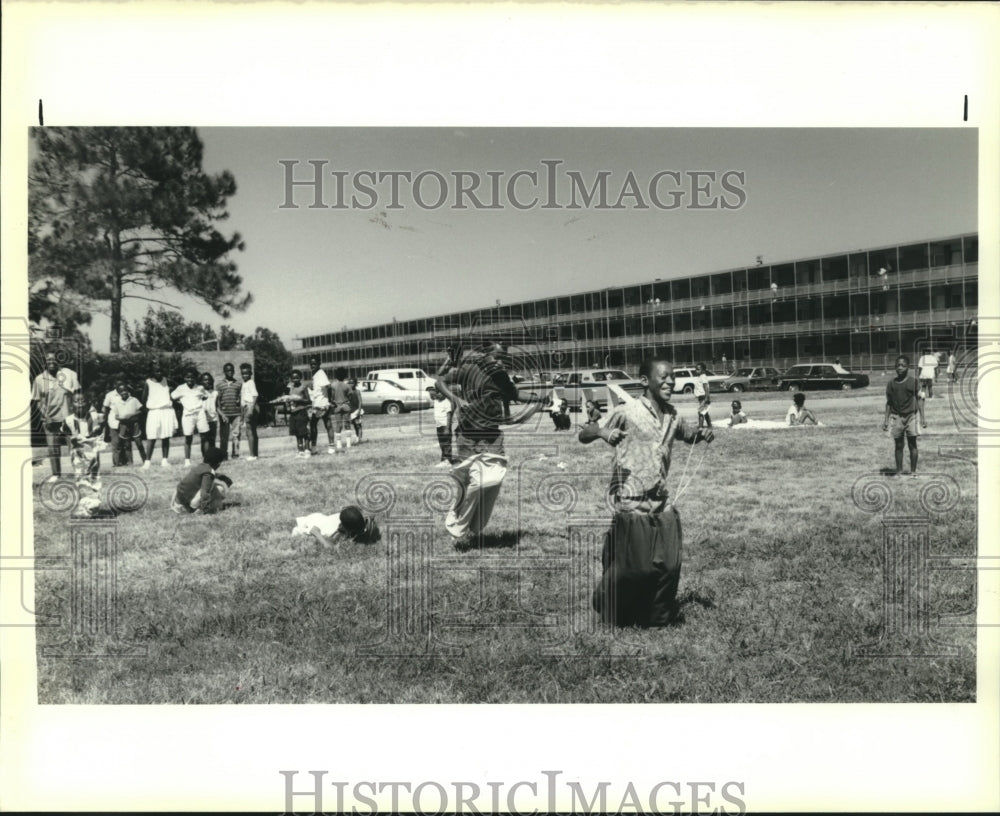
(229, 409)
(903, 403)
(642, 550)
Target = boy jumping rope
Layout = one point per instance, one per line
(904, 401)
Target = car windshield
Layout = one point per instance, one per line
(611, 375)
(840, 369)
(744, 372)
(559, 378)
(391, 384)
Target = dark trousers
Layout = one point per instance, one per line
(444, 440)
(54, 439)
(208, 438)
(642, 570)
(224, 431)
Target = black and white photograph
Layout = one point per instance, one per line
(625, 420)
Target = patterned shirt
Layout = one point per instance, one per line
(229, 397)
(318, 389)
(642, 458)
(53, 392)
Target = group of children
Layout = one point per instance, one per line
(797, 413)
(336, 402)
(225, 412)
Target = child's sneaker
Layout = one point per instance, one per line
(164, 463)
(251, 458)
(443, 463)
(147, 465)
(331, 450)
(187, 463)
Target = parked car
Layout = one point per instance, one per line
(389, 397)
(412, 379)
(752, 379)
(685, 376)
(820, 375)
(580, 385)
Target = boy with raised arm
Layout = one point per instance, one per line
(642, 550)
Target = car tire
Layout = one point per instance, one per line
(736, 389)
(392, 408)
(794, 386)
(846, 386)
(688, 389)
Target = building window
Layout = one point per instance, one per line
(835, 268)
(912, 257)
(971, 245)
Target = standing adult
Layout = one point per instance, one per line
(120, 454)
(320, 407)
(478, 443)
(951, 366)
(642, 549)
(928, 364)
(52, 392)
(229, 408)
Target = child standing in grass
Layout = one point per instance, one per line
(127, 411)
(903, 403)
(298, 403)
(319, 408)
(192, 398)
(798, 414)
(85, 428)
(339, 394)
(442, 424)
(229, 410)
(702, 390)
(161, 421)
(202, 490)
(354, 399)
(210, 410)
(249, 410)
(642, 550)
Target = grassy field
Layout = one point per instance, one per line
(782, 577)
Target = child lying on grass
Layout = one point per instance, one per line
(330, 530)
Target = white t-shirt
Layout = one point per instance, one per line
(158, 394)
(700, 385)
(441, 410)
(317, 389)
(190, 398)
(928, 366)
(248, 393)
(111, 401)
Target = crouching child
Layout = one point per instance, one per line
(202, 490)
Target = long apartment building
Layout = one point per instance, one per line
(863, 307)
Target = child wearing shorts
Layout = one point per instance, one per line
(249, 410)
(161, 421)
(192, 398)
(298, 403)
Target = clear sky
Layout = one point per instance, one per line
(803, 192)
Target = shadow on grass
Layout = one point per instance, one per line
(508, 539)
(887, 471)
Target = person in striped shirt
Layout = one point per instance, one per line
(229, 410)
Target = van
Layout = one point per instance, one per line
(412, 379)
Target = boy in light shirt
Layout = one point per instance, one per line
(192, 398)
(249, 410)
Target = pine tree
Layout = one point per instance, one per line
(119, 213)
